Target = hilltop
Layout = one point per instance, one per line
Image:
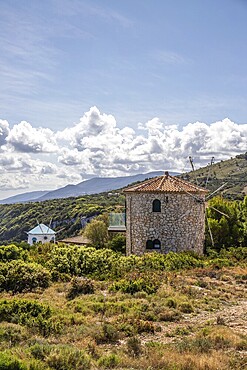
(232, 172)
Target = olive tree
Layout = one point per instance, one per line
(96, 232)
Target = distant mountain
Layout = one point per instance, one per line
(25, 197)
(97, 185)
(92, 186)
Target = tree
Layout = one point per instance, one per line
(227, 226)
(96, 232)
(118, 243)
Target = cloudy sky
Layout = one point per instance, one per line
(109, 88)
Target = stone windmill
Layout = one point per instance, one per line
(165, 214)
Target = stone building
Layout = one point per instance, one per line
(165, 214)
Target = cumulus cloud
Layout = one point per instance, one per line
(25, 138)
(92, 124)
(13, 183)
(97, 146)
(11, 162)
(4, 131)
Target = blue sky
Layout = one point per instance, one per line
(173, 63)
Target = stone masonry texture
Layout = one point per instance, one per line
(180, 226)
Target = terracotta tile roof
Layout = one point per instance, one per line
(79, 239)
(166, 183)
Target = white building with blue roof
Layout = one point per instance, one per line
(41, 234)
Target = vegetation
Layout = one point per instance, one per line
(97, 309)
(227, 221)
(232, 173)
(70, 215)
(96, 232)
(66, 215)
(75, 307)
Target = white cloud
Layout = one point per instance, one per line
(96, 146)
(92, 124)
(14, 162)
(4, 131)
(25, 138)
(13, 183)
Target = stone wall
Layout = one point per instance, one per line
(179, 226)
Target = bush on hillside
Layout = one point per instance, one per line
(83, 261)
(12, 252)
(23, 311)
(18, 276)
(10, 362)
(117, 243)
(80, 285)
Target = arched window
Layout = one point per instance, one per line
(156, 244)
(153, 244)
(149, 244)
(34, 240)
(156, 205)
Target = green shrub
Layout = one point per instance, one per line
(134, 347)
(67, 358)
(26, 312)
(170, 302)
(12, 333)
(9, 362)
(61, 357)
(218, 263)
(11, 252)
(83, 261)
(198, 345)
(107, 334)
(21, 310)
(40, 351)
(19, 276)
(80, 285)
(183, 260)
(185, 307)
(148, 283)
(108, 361)
(133, 327)
(118, 243)
(238, 254)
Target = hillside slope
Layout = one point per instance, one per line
(66, 214)
(232, 173)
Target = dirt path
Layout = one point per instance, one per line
(233, 316)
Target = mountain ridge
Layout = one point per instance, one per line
(93, 185)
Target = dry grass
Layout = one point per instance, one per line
(195, 321)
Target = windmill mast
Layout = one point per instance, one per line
(191, 163)
(210, 166)
(193, 167)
